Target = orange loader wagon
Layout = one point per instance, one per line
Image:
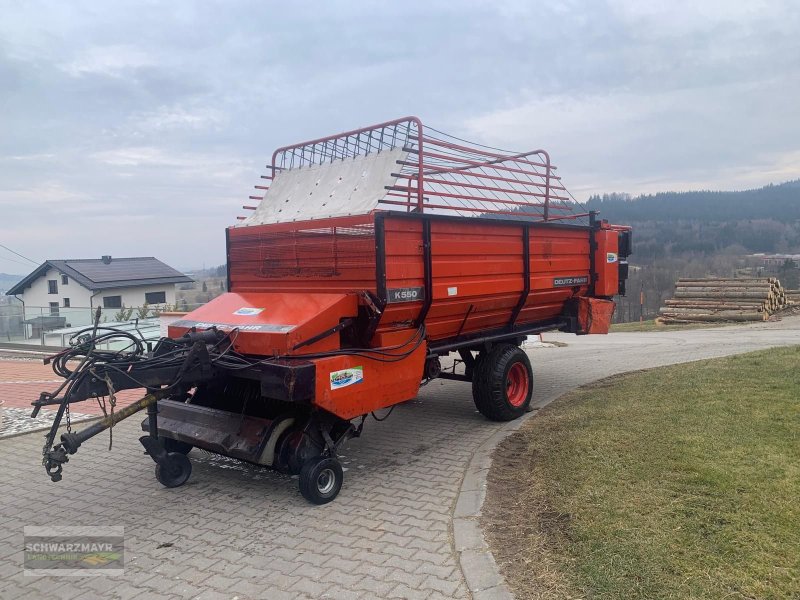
(370, 256)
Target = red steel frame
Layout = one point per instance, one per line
(443, 174)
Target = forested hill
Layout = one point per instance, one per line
(7, 281)
(780, 202)
(676, 223)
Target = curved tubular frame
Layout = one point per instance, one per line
(442, 173)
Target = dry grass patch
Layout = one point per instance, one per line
(679, 482)
(652, 325)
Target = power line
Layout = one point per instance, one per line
(18, 262)
(18, 254)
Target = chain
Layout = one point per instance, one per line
(69, 421)
(112, 400)
(45, 450)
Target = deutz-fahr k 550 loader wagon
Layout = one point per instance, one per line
(371, 255)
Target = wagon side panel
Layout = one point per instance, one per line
(477, 273)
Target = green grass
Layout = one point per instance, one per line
(680, 482)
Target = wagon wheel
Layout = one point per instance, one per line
(502, 384)
(321, 479)
(479, 358)
(175, 471)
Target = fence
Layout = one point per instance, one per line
(42, 326)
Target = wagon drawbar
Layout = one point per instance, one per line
(370, 256)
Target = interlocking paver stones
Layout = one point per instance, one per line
(238, 530)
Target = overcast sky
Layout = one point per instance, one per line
(140, 128)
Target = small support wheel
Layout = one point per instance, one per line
(171, 445)
(321, 479)
(502, 384)
(175, 471)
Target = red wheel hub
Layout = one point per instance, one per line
(517, 382)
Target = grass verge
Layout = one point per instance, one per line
(651, 325)
(679, 482)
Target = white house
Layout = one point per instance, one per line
(66, 292)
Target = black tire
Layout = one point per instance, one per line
(502, 385)
(479, 358)
(175, 472)
(171, 445)
(321, 479)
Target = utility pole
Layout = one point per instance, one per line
(641, 302)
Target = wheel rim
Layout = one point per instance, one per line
(326, 481)
(517, 385)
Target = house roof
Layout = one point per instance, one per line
(98, 274)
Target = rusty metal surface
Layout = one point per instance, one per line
(232, 434)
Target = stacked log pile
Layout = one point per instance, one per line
(792, 297)
(716, 299)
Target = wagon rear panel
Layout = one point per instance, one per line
(330, 255)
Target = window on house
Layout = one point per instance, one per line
(52, 286)
(66, 302)
(54, 309)
(155, 297)
(64, 280)
(112, 302)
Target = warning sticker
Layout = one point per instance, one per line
(345, 377)
(611, 257)
(248, 311)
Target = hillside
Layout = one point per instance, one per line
(766, 219)
(7, 280)
(780, 201)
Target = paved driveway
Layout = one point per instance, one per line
(239, 531)
(21, 380)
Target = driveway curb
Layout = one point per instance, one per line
(474, 556)
(477, 563)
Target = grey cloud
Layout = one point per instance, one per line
(163, 115)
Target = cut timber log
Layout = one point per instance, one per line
(682, 293)
(715, 299)
(717, 317)
(711, 303)
(730, 279)
(726, 284)
(672, 310)
(765, 290)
